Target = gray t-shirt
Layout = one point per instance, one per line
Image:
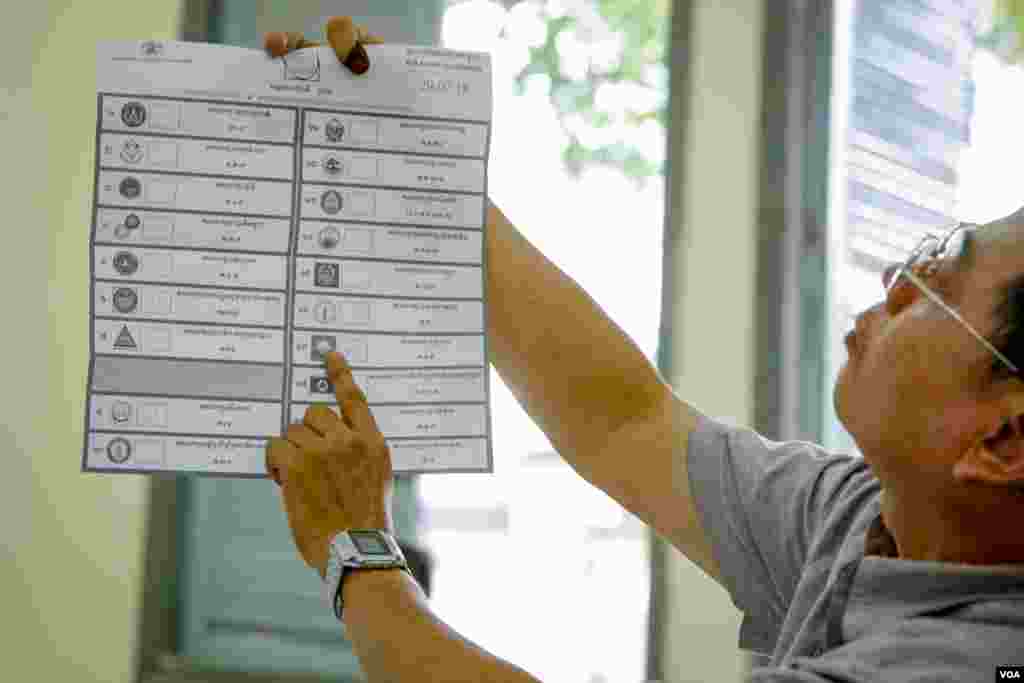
(806, 558)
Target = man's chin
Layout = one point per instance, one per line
(839, 391)
(845, 404)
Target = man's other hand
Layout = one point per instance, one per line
(346, 37)
(334, 469)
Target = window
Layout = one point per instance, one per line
(904, 100)
(582, 615)
(985, 193)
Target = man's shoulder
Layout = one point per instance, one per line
(840, 483)
(961, 644)
(937, 649)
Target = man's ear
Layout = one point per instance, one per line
(998, 459)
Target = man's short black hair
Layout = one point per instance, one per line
(1009, 315)
(1009, 336)
(1009, 333)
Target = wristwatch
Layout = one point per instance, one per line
(358, 549)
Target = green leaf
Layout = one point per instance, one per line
(1006, 37)
(643, 26)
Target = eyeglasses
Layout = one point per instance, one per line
(925, 258)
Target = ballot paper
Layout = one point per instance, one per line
(252, 214)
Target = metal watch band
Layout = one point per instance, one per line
(342, 547)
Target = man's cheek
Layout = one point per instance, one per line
(909, 359)
(954, 423)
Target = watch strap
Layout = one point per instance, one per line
(337, 570)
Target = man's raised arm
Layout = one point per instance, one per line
(572, 369)
(590, 389)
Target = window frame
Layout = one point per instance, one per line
(792, 310)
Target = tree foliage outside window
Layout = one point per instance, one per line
(603, 66)
(1005, 35)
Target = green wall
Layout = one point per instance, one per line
(72, 543)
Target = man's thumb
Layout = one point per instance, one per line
(343, 38)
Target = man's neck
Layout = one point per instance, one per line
(922, 531)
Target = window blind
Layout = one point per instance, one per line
(910, 102)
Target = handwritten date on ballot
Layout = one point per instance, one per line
(432, 84)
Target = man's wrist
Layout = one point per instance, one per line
(371, 579)
(372, 586)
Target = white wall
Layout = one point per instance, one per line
(72, 543)
(715, 314)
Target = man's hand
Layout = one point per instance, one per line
(343, 35)
(334, 472)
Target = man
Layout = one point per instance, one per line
(905, 565)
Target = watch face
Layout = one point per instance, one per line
(370, 543)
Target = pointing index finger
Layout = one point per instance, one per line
(351, 399)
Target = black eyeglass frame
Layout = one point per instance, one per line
(906, 269)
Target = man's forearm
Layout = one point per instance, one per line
(398, 639)
(571, 368)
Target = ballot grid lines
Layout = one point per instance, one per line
(196, 272)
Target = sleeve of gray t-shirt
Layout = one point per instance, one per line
(762, 503)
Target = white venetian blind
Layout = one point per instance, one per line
(911, 98)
